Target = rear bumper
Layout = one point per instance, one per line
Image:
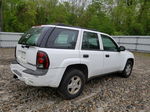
(50, 78)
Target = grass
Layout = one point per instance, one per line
(142, 54)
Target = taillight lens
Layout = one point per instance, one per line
(42, 61)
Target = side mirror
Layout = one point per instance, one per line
(122, 48)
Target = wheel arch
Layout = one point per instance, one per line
(81, 67)
(125, 62)
(131, 59)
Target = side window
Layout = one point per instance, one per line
(90, 41)
(109, 44)
(63, 38)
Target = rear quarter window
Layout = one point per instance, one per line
(62, 38)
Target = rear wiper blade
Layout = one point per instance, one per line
(25, 46)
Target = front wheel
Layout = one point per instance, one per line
(128, 69)
(72, 84)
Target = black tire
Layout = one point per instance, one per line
(128, 69)
(71, 76)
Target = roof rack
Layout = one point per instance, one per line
(62, 24)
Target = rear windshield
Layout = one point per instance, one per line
(63, 38)
(31, 36)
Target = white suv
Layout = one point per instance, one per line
(66, 57)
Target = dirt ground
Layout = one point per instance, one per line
(104, 94)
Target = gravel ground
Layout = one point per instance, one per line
(104, 94)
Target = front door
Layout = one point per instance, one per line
(112, 57)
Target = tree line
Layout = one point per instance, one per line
(115, 17)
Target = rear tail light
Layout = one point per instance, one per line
(42, 61)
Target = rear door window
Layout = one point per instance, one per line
(62, 38)
(90, 41)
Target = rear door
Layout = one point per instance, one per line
(90, 53)
(27, 47)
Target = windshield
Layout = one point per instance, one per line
(31, 36)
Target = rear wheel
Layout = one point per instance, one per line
(72, 84)
(128, 69)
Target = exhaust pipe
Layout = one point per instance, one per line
(15, 77)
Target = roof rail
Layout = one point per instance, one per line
(62, 24)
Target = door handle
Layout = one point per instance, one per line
(22, 46)
(85, 55)
(107, 55)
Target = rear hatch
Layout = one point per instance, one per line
(28, 45)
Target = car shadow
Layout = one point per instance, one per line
(30, 93)
(104, 77)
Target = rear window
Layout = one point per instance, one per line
(31, 36)
(63, 38)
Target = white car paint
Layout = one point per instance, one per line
(52, 78)
(60, 59)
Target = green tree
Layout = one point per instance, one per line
(117, 17)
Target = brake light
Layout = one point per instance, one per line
(42, 61)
